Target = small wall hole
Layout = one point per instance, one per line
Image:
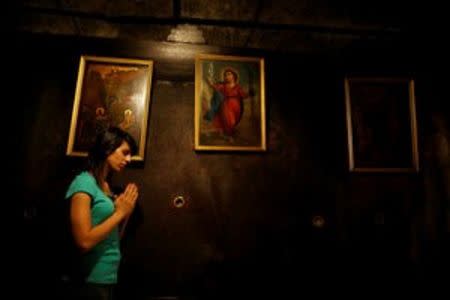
(179, 201)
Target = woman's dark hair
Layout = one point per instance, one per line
(106, 142)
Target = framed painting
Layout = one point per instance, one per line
(110, 92)
(229, 103)
(381, 125)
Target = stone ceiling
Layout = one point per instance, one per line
(282, 25)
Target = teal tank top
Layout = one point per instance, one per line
(101, 263)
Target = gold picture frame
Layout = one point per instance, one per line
(110, 91)
(381, 124)
(229, 103)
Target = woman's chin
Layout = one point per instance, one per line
(119, 168)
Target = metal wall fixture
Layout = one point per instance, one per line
(178, 201)
(318, 221)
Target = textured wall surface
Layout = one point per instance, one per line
(251, 219)
(284, 26)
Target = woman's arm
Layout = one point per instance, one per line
(218, 86)
(86, 236)
(243, 93)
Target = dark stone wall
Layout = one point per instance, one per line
(248, 226)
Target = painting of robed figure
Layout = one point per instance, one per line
(110, 92)
(229, 103)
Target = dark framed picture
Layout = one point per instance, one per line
(229, 103)
(110, 92)
(381, 125)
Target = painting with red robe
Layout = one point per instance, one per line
(229, 103)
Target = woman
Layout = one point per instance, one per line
(226, 113)
(95, 218)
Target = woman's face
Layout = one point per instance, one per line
(120, 158)
(229, 76)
